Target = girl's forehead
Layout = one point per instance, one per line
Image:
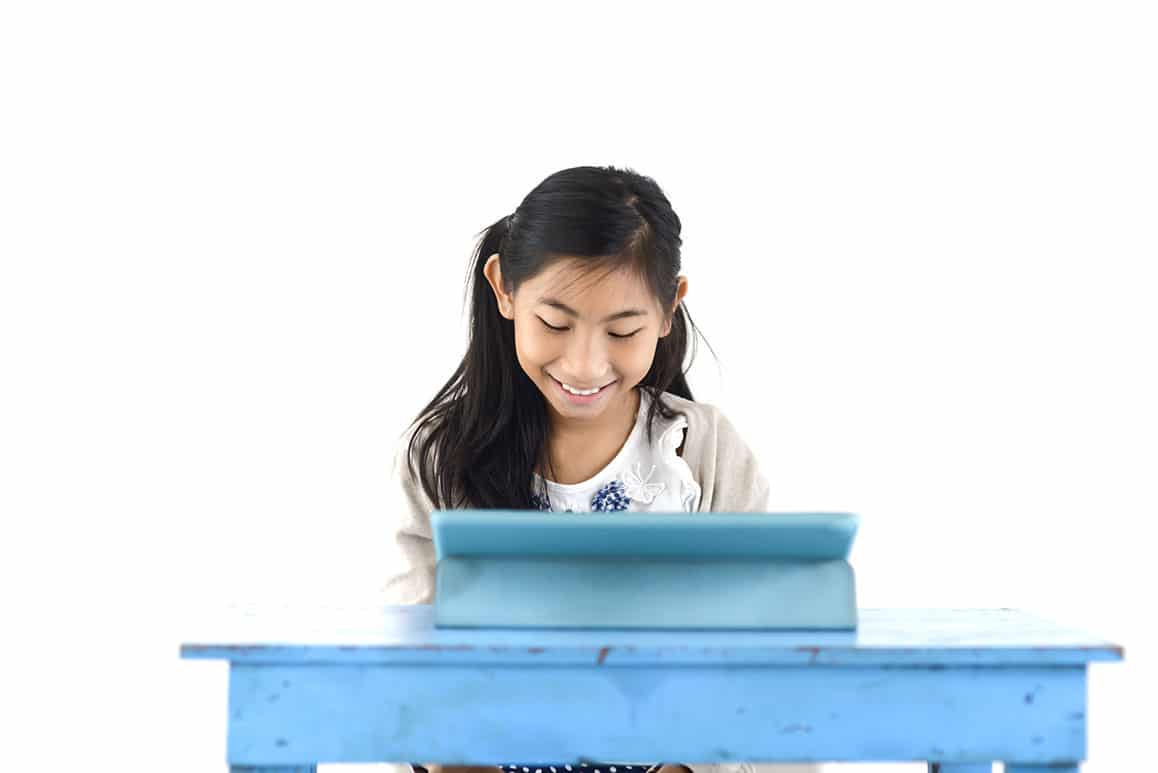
(576, 285)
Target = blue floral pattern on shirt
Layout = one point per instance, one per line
(612, 497)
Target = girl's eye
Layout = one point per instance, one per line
(554, 329)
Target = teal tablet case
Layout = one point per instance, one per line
(531, 569)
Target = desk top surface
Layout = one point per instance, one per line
(384, 635)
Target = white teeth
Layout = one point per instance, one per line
(579, 391)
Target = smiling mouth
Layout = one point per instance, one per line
(560, 383)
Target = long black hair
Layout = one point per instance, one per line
(479, 440)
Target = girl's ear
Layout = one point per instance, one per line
(494, 275)
(681, 291)
(666, 327)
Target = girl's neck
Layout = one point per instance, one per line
(579, 450)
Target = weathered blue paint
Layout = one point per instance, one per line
(489, 715)
(886, 637)
(960, 688)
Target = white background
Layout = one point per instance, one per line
(919, 236)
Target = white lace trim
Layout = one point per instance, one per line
(669, 442)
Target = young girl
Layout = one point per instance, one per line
(571, 396)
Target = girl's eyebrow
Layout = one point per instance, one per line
(555, 303)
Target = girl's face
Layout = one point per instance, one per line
(605, 337)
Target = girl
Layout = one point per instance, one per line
(571, 396)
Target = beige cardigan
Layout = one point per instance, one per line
(730, 480)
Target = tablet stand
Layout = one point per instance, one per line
(673, 593)
(645, 577)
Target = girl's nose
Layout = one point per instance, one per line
(586, 362)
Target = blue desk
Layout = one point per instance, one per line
(958, 688)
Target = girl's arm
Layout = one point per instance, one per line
(410, 562)
(729, 472)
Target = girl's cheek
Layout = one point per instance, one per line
(534, 342)
(642, 356)
(536, 346)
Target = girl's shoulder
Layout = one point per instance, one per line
(709, 434)
(701, 417)
(722, 461)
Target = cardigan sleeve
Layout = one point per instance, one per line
(410, 551)
(738, 482)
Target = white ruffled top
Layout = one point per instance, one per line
(642, 477)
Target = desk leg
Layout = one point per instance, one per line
(273, 769)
